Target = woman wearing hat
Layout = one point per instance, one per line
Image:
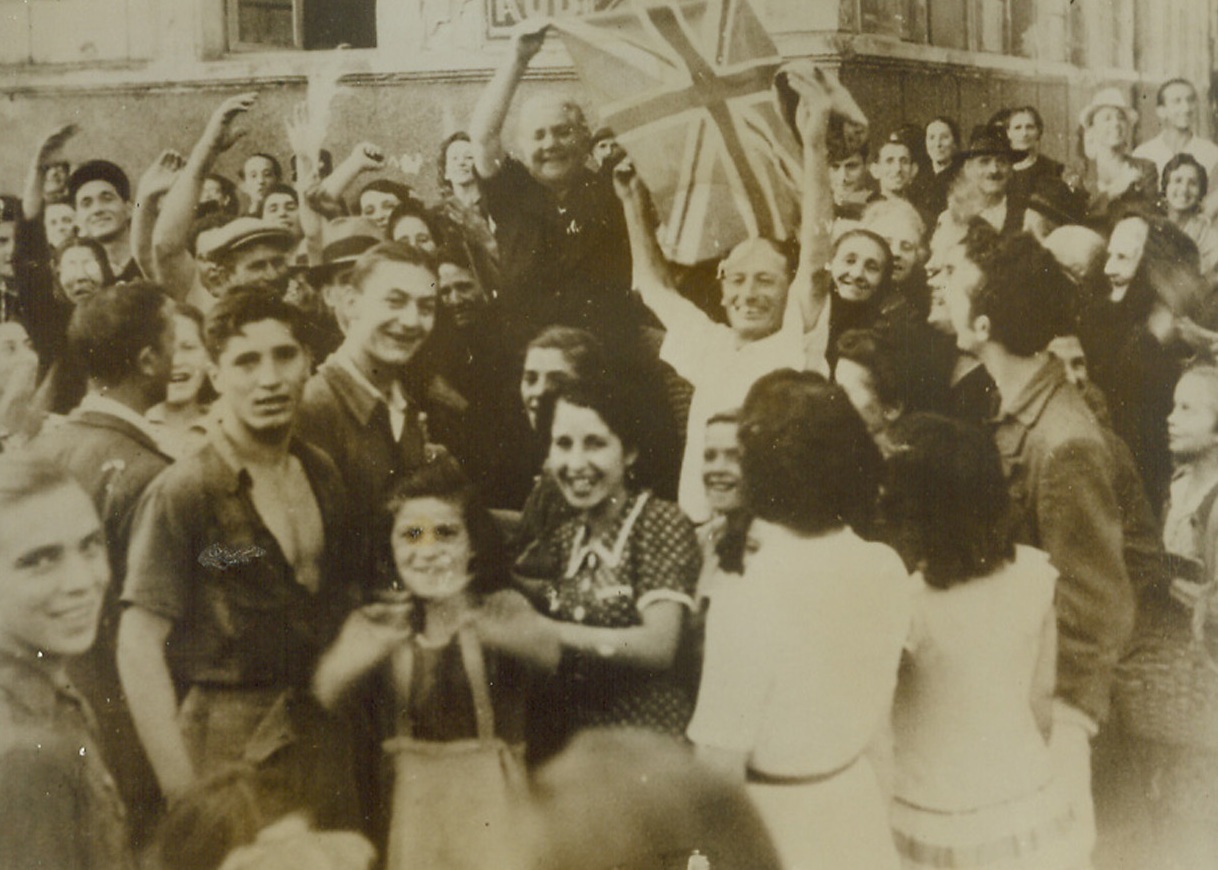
(1110, 173)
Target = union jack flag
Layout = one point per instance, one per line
(688, 90)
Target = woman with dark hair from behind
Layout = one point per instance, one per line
(802, 655)
(974, 783)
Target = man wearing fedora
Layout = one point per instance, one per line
(986, 165)
(1051, 204)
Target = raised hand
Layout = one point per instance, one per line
(297, 126)
(51, 144)
(529, 40)
(367, 157)
(220, 132)
(626, 182)
(160, 176)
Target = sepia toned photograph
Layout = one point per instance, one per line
(608, 435)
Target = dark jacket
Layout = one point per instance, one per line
(1062, 477)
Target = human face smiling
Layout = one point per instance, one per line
(391, 315)
(857, 267)
(1125, 247)
(1023, 132)
(545, 370)
(904, 242)
(100, 212)
(1192, 425)
(461, 294)
(755, 284)
(260, 265)
(587, 459)
(1109, 128)
(721, 474)
(59, 220)
(553, 142)
(1179, 109)
(940, 143)
(894, 169)
(413, 230)
(53, 572)
(80, 275)
(377, 205)
(960, 279)
(1183, 190)
(261, 375)
(432, 548)
(189, 363)
(459, 163)
(282, 209)
(990, 172)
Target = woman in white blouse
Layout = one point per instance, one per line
(801, 656)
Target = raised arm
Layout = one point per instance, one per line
(326, 197)
(821, 96)
(307, 156)
(48, 151)
(151, 189)
(172, 262)
(486, 125)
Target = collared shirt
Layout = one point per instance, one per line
(202, 557)
(1062, 479)
(395, 402)
(59, 807)
(1158, 151)
(105, 405)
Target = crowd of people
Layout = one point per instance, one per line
(342, 529)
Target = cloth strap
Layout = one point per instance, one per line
(475, 669)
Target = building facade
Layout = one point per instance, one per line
(141, 75)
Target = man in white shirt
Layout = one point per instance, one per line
(1176, 107)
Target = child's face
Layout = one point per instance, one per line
(721, 467)
(431, 548)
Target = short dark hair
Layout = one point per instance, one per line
(278, 187)
(95, 248)
(442, 478)
(385, 185)
(10, 207)
(1184, 159)
(275, 165)
(1161, 94)
(807, 458)
(110, 329)
(99, 170)
(229, 189)
(582, 349)
(614, 405)
(411, 207)
(1025, 294)
(1028, 110)
(946, 499)
(389, 252)
(869, 349)
(235, 311)
(459, 136)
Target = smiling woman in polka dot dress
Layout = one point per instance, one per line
(614, 582)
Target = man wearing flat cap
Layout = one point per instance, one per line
(101, 194)
(250, 254)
